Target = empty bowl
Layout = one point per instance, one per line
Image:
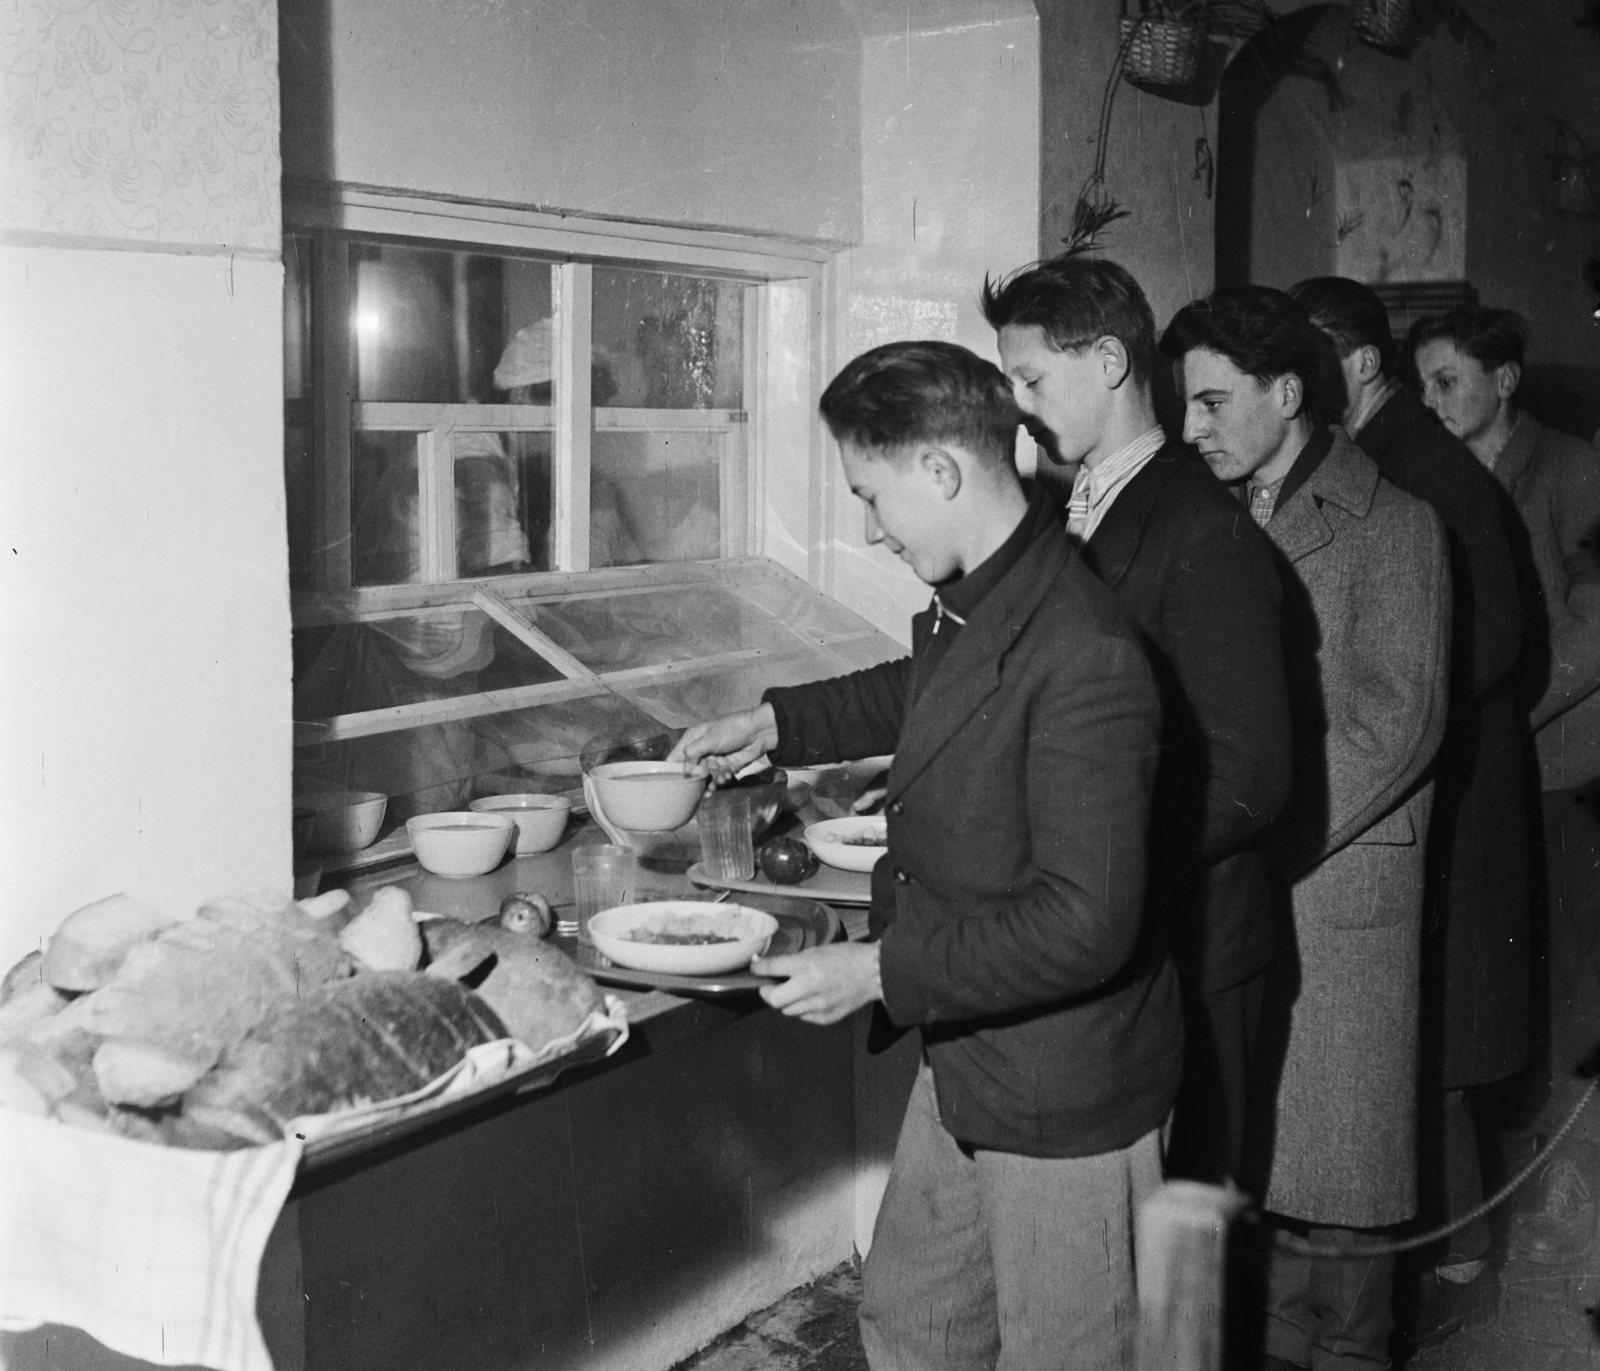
(540, 819)
(338, 821)
(647, 797)
(460, 842)
(850, 844)
(682, 937)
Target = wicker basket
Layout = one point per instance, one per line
(1383, 23)
(1162, 52)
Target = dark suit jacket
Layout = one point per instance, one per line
(1475, 968)
(1200, 580)
(1011, 899)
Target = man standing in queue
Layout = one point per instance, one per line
(1331, 1149)
(1007, 914)
(1200, 580)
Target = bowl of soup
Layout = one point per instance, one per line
(682, 937)
(460, 842)
(647, 797)
(540, 819)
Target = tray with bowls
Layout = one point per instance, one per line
(779, 923)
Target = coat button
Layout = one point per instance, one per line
(901, 876)
(898, 808)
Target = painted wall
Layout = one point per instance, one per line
(949, 156)
(145, 683)
(728, 113)
(1431, 165)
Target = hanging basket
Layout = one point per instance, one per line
(1161, 52)
(1383, 23)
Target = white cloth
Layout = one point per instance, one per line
(1094, 490)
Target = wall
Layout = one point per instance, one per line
(145, 683)
(726, 113)
(1451, 139)
(950, 132)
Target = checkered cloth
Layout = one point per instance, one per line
(155, 1251)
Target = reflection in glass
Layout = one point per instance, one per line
(668, 341)
(385, 542)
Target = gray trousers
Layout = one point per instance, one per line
(1330, 1315)
(987, 1260)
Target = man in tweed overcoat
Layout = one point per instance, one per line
(1366, 637)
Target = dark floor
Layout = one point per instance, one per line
(809, 1329)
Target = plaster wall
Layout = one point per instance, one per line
(144, 589)
(949, 156)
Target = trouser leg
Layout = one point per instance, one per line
(1329, 1314)
(1463, 1178)
(1288, 1300)
(927, 1301)
(1061, 1239)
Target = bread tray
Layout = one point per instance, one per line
(802, 923)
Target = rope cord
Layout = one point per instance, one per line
(1393, 1247)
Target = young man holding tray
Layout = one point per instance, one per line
(1007, 914)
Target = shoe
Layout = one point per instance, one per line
(1562, 1228)
(1445, 1307)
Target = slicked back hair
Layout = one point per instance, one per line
(1076, 300)
(1491, 337)
(1260, 330)
(901, 394)
(1350, 313)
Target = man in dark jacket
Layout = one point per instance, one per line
(1475, 956)
(1008, 910)
(1199, 579)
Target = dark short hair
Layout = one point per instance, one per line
(1350, 313)
(925, 392)
(1491, 337)
(1260, 330)
(1076, 300)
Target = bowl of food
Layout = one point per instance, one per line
(852, 844)
(460, 842)
(682, 937)
(333, 822)
(647, 797)
(540, 819)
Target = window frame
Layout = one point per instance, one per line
(786, 287)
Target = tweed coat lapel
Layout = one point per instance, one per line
(1110, 552)
(1346, 477)
(1515, 456)
(969, 673)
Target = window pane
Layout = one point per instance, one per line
(385, 540)
(658, 496)
(503, 502)
(449, 327)
(667, 341)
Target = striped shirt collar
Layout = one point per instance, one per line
(1094, 490)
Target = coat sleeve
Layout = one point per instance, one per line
(843, 718)
(1387, 697)
(1220, 623)
(1074, 924)
(1574, 623)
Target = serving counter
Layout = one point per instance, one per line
(618, 1218)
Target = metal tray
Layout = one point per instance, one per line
(802, 923)
(829, 885)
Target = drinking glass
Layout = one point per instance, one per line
(726, 849)
(603, 877)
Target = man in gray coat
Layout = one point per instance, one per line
(1366, 638)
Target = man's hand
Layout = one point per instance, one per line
(724, 746)
(824, 984)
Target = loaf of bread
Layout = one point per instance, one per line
(93, 941)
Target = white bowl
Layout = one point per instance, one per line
(336, 821)
(749, 931)
(540, 819)
(829, 840)
(647, 797)
(459, 842)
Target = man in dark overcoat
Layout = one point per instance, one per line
(1366, 636)
(1189, 565)
(1476, 928)
(1007, 914)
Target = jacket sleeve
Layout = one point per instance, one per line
(1220, 622)
(843, 718)
(1388, 695)
(1575, 623)
(1074, 924)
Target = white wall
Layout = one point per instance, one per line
(950, 192)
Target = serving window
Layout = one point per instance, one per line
(524, 483)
